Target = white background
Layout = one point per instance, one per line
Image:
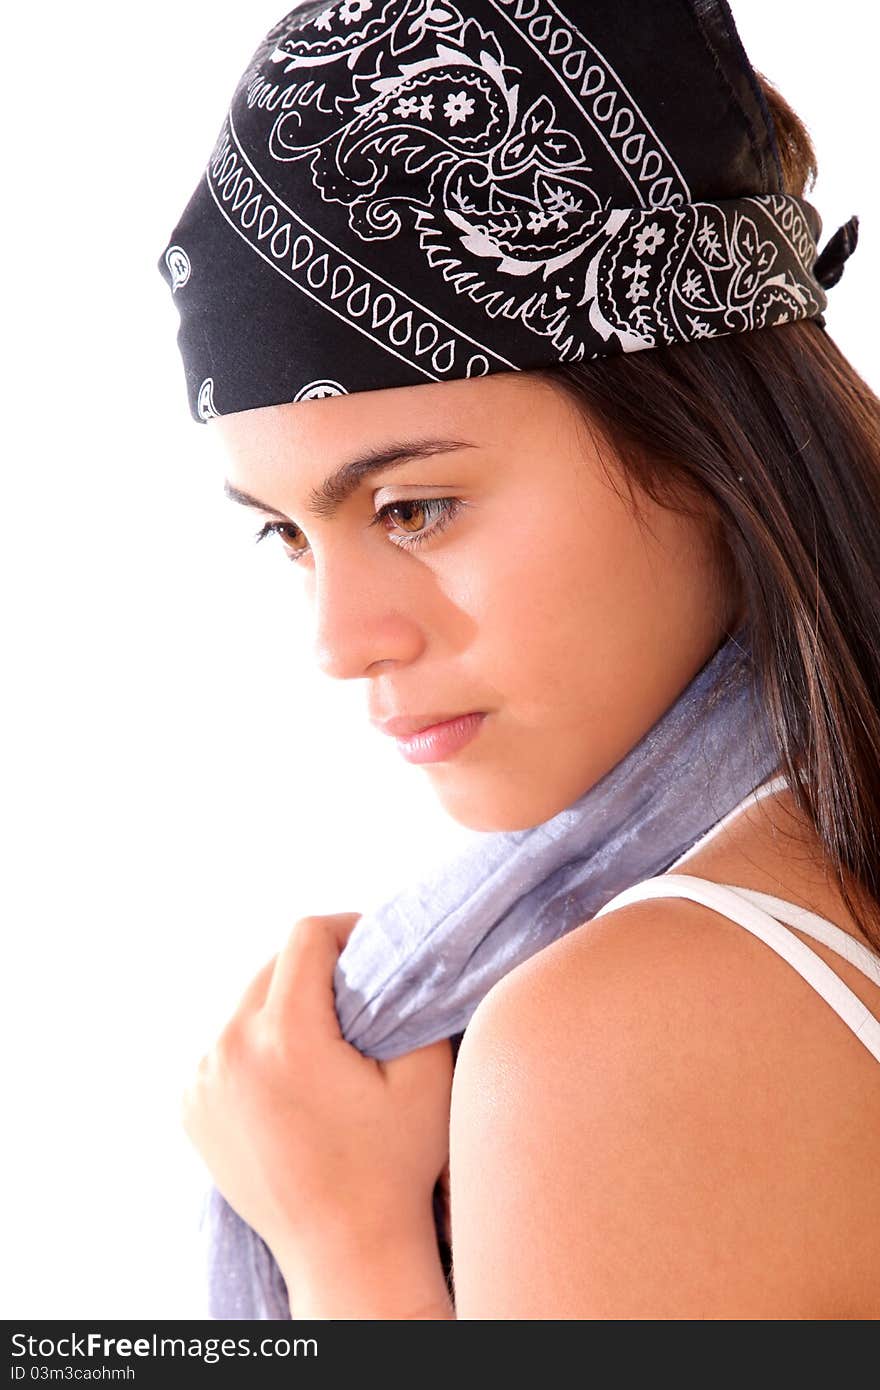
(179, 785)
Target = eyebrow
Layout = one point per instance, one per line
(326, 500)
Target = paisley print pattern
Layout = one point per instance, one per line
(429, 191)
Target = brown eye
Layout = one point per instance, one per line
(288, 533)
(417, 506)
(411, 516)
(281, 529)
(439, 511)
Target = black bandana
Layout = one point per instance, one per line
(406, 191)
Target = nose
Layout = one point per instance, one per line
(363, 616)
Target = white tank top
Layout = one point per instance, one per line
(766, 917)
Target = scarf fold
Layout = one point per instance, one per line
(415, 968)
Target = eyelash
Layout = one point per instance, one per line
(447, 509)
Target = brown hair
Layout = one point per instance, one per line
(777, 436)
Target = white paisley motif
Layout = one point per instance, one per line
(179, 267)
(317, 390)
(205, 400)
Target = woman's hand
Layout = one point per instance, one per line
(331, 1156)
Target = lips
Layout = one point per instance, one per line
(404, 726)
(439, 742)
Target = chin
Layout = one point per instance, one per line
(498, 804)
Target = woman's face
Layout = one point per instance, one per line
(541, 601)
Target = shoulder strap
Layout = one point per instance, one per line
(727, 901)
(819, 928)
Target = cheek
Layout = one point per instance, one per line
(545, 596)
(532, 548)
(568, 603)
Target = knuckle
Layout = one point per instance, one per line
(325, 921)
(274, 1044)
(230, 1049)
(317, 923)
(306, 929)
(308, 935)
(314, 932)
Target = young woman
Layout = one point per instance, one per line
(656, 1116)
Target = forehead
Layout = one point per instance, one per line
(484, 409)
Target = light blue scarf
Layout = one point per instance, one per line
(415, 969)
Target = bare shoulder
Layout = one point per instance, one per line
(656, 1117)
